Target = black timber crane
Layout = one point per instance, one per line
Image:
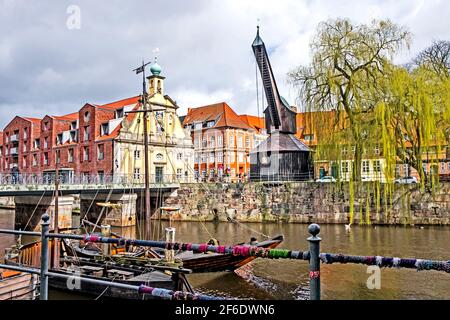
(278, 114)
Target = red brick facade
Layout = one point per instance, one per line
(78, 143)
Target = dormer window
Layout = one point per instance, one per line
(197, 126)
(104, 129)
(74, 136)
(210, 124)
(73, 125)
(119, 113)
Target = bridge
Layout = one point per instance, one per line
(44, 184)
(34, 195)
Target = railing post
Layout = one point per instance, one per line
(314, 262)
(44, 257)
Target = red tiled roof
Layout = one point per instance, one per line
(67, 117)
(121, 103)
(34, 120)
(221, 113)
(257, 123)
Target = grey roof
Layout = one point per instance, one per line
(279, 142)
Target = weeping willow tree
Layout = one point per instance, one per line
(346, 79)
(346, 75)
(416, 115)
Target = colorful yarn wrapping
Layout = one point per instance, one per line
(387, 262)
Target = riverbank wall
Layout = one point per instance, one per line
(311, 202)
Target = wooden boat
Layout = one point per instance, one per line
(159, 276)
(16, 285)
(213, 262)
(197, 262)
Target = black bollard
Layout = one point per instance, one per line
(44, 257)
(314, 262)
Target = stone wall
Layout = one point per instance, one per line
(310, 202)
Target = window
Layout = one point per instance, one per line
(197, 126)
(137, 173)
(204, 142)
(73, 125)
(45, 158)
(59, 139)
(377, 166)
(159, 157)
(46, 127)
(101, 177)
(70, 157)
(344, 167)
(365, 166)
(24, 161)
(87, 116)
(196, 158)
(239, 142)
(203, 157)
(406, 170)
(104, 129)
(231, 140)
(179, 174)
(247, 142)
(376, 149)
(34, 160)
(25, 133)
(309, 137)
(232, 157)
(211, 157)
(101, 152)
(24, 147)
(57, 156)
(344, 151)
(212, 142)
(196, 142)
(46, 143)
(219, 140)
(210, 124)
(86, 133)
(424, 166)
(220, 156)
(74, 136)
(86, 154)
(179, 156)
(119, 113)
(241, 157)
(137, 154)
(442, 167)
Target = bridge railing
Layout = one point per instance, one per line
(81, 179)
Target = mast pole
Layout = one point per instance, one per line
(56, 221)
(146, 160)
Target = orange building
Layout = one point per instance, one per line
(222, 141)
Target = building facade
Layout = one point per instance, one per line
(222, 142)
(101, 142)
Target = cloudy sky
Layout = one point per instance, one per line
(204, 47)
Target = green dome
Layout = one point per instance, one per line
(155, 69)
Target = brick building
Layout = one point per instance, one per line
(222, 141)
(99, 141)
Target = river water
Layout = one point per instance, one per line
(287, 279)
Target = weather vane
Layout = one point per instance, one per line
(156, 53)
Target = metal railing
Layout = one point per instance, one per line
(82, 179)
